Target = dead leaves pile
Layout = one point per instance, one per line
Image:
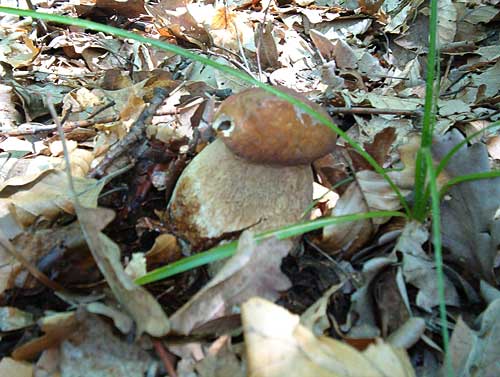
(364, 61)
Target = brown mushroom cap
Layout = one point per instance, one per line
(219, 193)
(263, 128)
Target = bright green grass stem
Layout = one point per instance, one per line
(425, 167)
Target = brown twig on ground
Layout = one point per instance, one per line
(135, 135)
(33, 128)
(100, 109)
(8, 248)
(371, 110)
(165, 357)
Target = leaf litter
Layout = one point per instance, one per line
(366, 290)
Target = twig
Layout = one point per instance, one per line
(40, 23)
(136, 134)
(100, 109)
(33, 128)
(165, 357)
(8, 248)
(371, 110)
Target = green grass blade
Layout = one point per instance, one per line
(223, 68)
(431, 88)
(438, 256)
(420, 201)
(227, 250)
(468, 178)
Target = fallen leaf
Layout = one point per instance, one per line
(369, 192)
(469, 229)
(278, 345)
(13, 368)
(96, 352)
(253, 271)
(139, 303)
(475, 353)
(419, 269)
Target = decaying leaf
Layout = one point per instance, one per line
(139, 303)
(370, 192)
(419, 269)
(56, 327)
(278, 345)
(470, 230)
(13, 368)
(268, 52)
(475, 353)
(95, 350)
(45, 195)
(253, 271)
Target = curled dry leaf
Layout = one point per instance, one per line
(278, 345)
(137, 301)
(370, 192)
(253, 271)
(419, 269)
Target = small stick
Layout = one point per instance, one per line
(136, 134)
(371, 110)
(34, 128)
(165, 357)
(101, 109)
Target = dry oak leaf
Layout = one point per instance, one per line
(278, 345)
(253, 270)
(470, 230)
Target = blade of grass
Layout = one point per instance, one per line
(468, 178)
(223, 68)
(227, 250)
(438, 257)
(420, 204)
(430, 105)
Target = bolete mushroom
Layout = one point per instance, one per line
(257, 174)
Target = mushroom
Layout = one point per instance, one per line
(257, 174)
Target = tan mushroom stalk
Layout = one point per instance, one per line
(256, 175)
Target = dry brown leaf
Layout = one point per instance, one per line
(137, 301)
(165, 250)
(24, 199)
(179, 22)
(253, 270)
(419, 269)
(13, 368)
(278, 345)
(267, 50)
(370, 192)
(475, 353)
(470, 230)
(56, 328)
(94, 351)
